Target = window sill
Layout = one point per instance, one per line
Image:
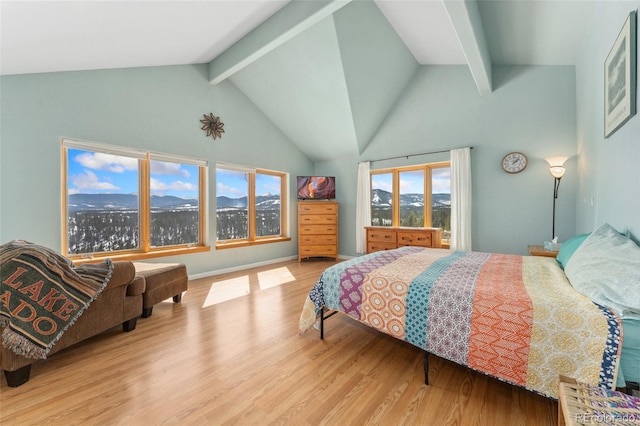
(133, 256)
(245, 243)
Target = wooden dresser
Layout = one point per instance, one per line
(387, 237)
(317, 229)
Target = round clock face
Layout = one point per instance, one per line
(514, 162)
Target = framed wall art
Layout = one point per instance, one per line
(620, 78)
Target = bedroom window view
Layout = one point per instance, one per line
(249, 204)
(441, 200)
(102, 202)
(416, 196)
(127, 201)
(175, 216)
(412, 198)
(268, 203)
(232, 212)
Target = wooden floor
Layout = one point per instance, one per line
(241, 361)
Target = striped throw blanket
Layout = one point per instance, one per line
(42, 294)
(515, 318)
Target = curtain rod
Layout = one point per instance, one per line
(415, 155)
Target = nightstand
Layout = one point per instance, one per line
(535, 250)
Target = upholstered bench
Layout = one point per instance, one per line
(163, 280)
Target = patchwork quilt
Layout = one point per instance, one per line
(515, 318)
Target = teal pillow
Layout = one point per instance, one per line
(568, 248)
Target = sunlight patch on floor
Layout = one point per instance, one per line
(222, 291)
(274, 277)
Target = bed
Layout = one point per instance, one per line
(516, 318)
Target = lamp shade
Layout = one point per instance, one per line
(556, 166)
(557, 171)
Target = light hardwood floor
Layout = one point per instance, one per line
(242, 362)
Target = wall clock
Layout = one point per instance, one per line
(514, 162)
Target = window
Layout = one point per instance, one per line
(250, 205)
(415, 196)
(120, 201)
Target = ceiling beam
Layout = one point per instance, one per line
(465, 18)
(285, 24)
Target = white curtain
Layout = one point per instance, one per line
(363, 206)
(461, 199)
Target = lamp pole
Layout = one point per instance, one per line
(557, 170)
(556, 184)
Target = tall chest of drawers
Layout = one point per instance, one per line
(388, 238)
(317, 229)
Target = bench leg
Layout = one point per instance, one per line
(129, 325)
(177, 298)
(146, 312)
(18, 377)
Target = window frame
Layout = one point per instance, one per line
(145, 251)
(395, 192)
(252, 239)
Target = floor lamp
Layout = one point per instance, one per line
(557, 170)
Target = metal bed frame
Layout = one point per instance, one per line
(324, 314)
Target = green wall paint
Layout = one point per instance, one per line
(377, 65)
(531, 110)
(156, 109)
(608, 168)
(330, 87)
(301, 87)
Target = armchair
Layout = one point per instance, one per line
(120, 302)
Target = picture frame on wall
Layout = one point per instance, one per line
(620, 70)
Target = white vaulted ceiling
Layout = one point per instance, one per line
(326, 72)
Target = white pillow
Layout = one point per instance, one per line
(606, 268)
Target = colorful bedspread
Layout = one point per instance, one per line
(515, 318)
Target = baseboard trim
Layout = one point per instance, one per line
(239, 268)
(250, 265)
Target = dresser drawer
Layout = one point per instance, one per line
(422, 239)
(379, 246)
(318, 250)
(317, 208)
(318, 239)
(317, 229)
(318, 220)
(381, 235)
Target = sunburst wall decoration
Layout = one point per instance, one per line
(213, 126)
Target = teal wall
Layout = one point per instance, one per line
(156, 109)
(608, 168)
(327, 88)
(290, 85)
(532, 109)
(377, 65)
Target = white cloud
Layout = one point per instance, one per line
(89, 180)
(440, 187)
(166, 168)
(159, 186)
(411, 186)
(381, 184)
(108, 162)
(441, 180)
(228, 190)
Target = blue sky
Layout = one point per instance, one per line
(98, 173)
(413, 182)
(234, 184)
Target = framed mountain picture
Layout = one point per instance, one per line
(620, 78)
